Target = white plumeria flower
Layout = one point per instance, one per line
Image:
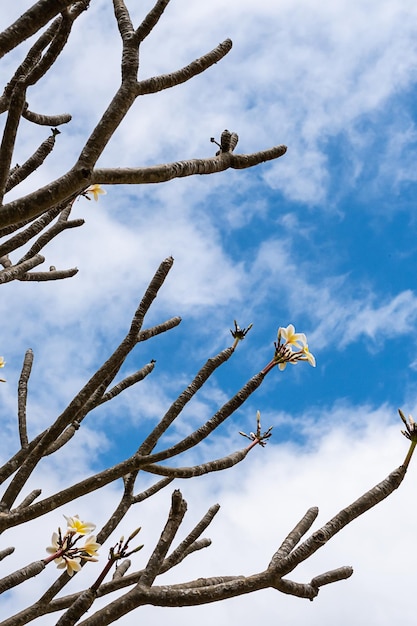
(72, 565)
(96, 191)
(75, 525)
(54, 547)
(291, 337)
(91, 546)
(308, 356)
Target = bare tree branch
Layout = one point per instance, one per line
(30, 22)
(46, 120)
(16, 272)
(166, 81)
(151, 20)
(22, 397)
(180, 169)
(176, 515)
(35, 161)
(29, 61)
(53, 274)
(26, 235)
(216, 465)
(17, 102)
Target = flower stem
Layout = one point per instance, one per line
(409, 454)
(270, 366)
(94, 587)
(52, 557)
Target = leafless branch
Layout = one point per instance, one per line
(22, 397)
(216, 465)
(29, 166)
(30, 22)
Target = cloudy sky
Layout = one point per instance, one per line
(323, 238)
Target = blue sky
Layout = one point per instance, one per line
(323, 238)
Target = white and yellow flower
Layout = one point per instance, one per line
(91, 547)
(290, 337)
(55, 547)
(72, 564)
(75, 525)
(308, 356)
(96, 191)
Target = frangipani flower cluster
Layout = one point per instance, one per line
(64, 551)
(284, 352)
(2, 364)
(290, 347)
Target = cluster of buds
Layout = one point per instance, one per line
(411, 434)
(64, 551)
(290, 347)
(259, 437)
(2, 364)
(228, 142)
(117, 552)
(239, 334)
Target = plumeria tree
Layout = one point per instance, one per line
(27, 224)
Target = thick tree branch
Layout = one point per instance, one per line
(16, 272)
(48, 235)
(53, 274)
(180, 169)
(30, 22)
(176, 515)
(123, 20)
(216, 465)
(26, 235)
(17, 102)
(295, 535)
(151, 20)
(22, 392)
(128, 382)
(46, 120)
(372, 497)
(29, 61)
(147, 333)
(23, 171)
(166, 81)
